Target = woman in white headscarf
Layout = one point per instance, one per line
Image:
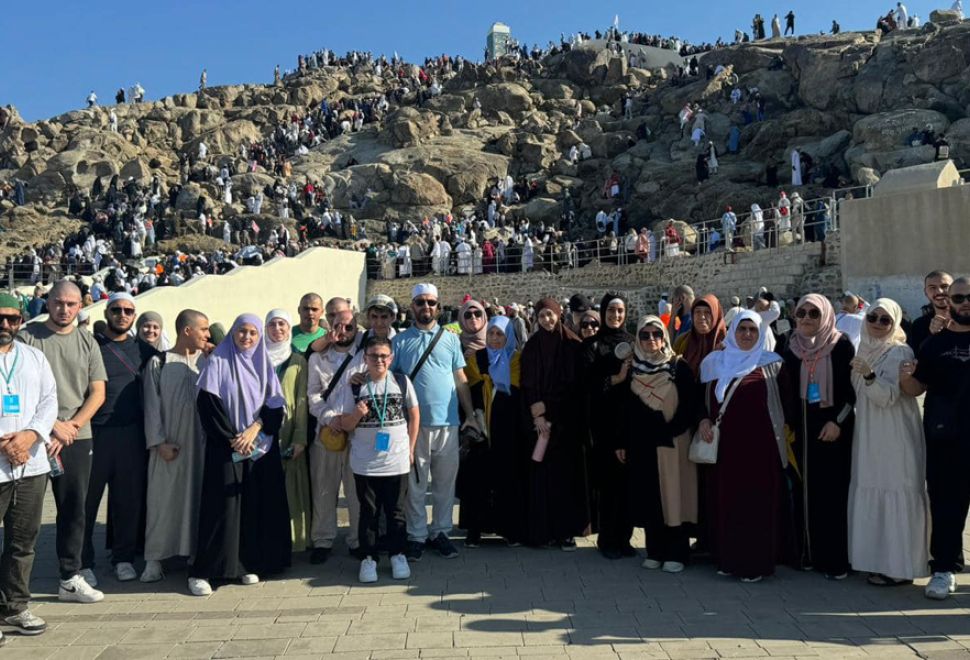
(888, 521)
(747, 390)
(291, 369)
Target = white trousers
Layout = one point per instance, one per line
(328, 469)
(436, 460)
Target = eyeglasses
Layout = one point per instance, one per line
(959, 298)
(11, 319)
(379, 357)
(813, 314)
(473, 314)
(122, 311)
(884, 321)
(424, 302)
(647, 335)
(589, 324)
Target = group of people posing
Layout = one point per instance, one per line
(764, 445)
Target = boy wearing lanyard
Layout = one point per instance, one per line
(382, 418)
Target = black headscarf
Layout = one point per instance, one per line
(549, 360)
(609, 337)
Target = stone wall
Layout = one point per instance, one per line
(788, 272)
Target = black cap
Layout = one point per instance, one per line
(579, 303)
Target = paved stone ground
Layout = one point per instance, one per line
(495, 602)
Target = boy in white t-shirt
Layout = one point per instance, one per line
(382, 418)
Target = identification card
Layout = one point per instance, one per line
(382, 442)
(11, 404)
(813, 394)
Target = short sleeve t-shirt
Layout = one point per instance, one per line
(301, 340)
(435, 383)
(75, 359)
(944, 367)
(364, 457)
(123, 362)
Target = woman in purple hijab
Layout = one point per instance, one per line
(243, 517)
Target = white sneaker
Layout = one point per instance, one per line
(672, 567)
(652, 564)
(249, 578)
(153, 571)
(940, 586)
(399, 567)
(125, 572)
(77, 590)
(368, 570)
(89, 577)
(199, 587)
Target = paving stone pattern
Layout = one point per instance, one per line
(493, 602)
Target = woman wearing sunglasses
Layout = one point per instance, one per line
(818, 360)
(589, 324)
(888, 521)
(653, 444)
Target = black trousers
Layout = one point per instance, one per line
(70, 490)
(948, 486)
(118, 464)
(668, 543)
(21, 506)
(377, 495)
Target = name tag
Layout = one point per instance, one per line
(11, 404)
(813, 394)
(382, 441)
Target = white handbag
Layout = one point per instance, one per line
(703, 452)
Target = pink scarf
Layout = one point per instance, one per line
(815, 352)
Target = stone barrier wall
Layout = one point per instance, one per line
(787, 271)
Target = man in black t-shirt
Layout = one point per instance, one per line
(936, 314)
(943, 372)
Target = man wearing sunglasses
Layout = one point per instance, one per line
(119, 448)
(79, 372)
(943, 373)
(29, 409)
(440, 385)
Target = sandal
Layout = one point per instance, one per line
(880, 580)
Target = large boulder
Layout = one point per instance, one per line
(887, 131)
(414, 189)
(507, 97)
(945, 16)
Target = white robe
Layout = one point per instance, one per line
(174, 488)
(796, 168)
(404, 253)
(464, 256)
(712, 163)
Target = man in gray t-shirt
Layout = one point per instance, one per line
(75, 359)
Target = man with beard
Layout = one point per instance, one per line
(936, 314)
(433, 360)
(119, 442)
(80, 375)
(328, 370)
(29, 411)
(943, 372)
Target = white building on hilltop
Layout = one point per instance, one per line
(499, 41)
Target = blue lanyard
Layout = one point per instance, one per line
(380, 412)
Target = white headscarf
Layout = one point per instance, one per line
(870, 348)
(733, 362)
(278, 351)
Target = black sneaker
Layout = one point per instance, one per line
(357, 553)
(473, 539)
(444, 546)
(26, 623)
(319, 555)
(414, 551)
(567, 545)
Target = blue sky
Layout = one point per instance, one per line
(59, 50)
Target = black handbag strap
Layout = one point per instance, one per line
(427, 352)
(336, 376)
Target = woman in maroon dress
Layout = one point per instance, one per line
(748, 496)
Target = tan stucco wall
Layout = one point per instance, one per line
(890, 243)
(258, 289)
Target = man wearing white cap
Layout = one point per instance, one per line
(119, 442)
(433, 361)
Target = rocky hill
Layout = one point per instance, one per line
(847, 100)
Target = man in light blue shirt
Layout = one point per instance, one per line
(440, 385)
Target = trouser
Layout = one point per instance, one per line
(948, 487)
(70, 490)
(21, 506)
(664, 543)
(119, 463)
(328, 470)
(435, 460)
(381, 495)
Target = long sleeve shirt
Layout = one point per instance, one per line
(31, 379)
(321, 369)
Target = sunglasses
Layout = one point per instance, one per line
(346, 327)
(589, 324)
(473, 314)
(959, 298)
(647, 335)
(426, 303)
(121, 311)
(11, 319)
(884, 321)
(379, 357)
(813, 314)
